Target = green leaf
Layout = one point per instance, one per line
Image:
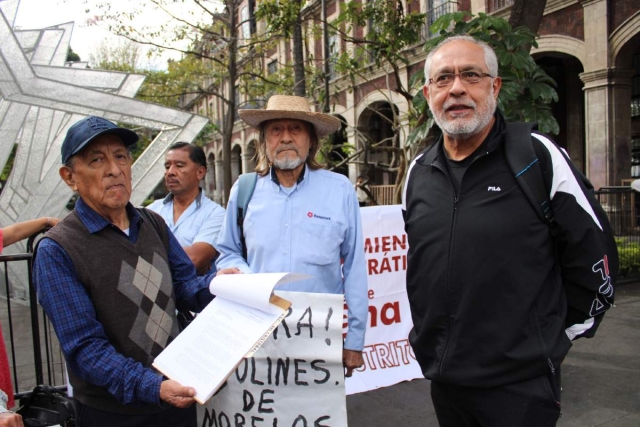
(504, 58)
(417, 79)
(521, 60)
(543, 91)
(419, 101)
(420, 133)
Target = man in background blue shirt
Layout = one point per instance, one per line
(191, 216)
(110, 282)
(301, 218)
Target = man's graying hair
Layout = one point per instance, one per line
(262, 161)
(490, 57)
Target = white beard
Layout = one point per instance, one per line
(288, 163)
(466, 127)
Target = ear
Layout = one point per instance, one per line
(68, 176)
(202, 171)
(425, 91)
(497, 84)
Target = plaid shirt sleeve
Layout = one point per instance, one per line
(192, 291)
(87, 349)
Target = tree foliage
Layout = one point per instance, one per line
(72, 56)
(218, 59)
(368, 40)
(380, 38)
(527, 90)
(160, 86)
(121, 56)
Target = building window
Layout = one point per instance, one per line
(435, 9)
(246, 24)
(495, 5)
(272, 67)
(333, 55)
(635, 87)
(635, 157)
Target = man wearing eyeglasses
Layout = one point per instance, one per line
(487, 284)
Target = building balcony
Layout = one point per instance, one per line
(497, 5)
(435, 10)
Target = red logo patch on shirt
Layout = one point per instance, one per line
(310, 214)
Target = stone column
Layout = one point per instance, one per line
(596, 37)
(354, 172)
(607, 103)
(478, 6)
(210, 178)
(247, 161)
(621, 123)
(235, 165)
(608, 125)
(218, 193)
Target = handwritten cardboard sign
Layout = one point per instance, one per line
(295, 379)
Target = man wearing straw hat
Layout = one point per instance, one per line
(301, 218)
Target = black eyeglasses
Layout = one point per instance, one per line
(446, 79)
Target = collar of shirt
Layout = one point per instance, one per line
(301, 178)
(198, 198)
(96, 222)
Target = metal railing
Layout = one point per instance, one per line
(622, 206)
(495, 5)
(382, 194)
(33, 349)
(435, 12)
(30, 339)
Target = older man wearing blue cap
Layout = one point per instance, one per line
(110, 278)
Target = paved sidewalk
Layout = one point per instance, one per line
(600, 379)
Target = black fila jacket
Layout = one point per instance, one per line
(490, 299)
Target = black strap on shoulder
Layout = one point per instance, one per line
(525, 164)
(246, 185)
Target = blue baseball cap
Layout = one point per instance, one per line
(85, 130)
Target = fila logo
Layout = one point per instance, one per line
(494, 189)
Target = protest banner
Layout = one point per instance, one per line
(295, 379)
(388, 357)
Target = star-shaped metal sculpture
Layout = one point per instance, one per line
(40, 98)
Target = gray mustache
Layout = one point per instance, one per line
(286, 147)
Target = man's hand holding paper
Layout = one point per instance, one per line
(235, 323)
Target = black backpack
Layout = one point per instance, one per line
(528, 162)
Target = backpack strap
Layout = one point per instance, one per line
(525, 165)
(246, 185)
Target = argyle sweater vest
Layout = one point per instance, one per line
(131, 288)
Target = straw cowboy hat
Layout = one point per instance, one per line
(291, 107)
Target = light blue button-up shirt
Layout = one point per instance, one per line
(308, 228)
(200, 222)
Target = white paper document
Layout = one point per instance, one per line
(232, 326)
